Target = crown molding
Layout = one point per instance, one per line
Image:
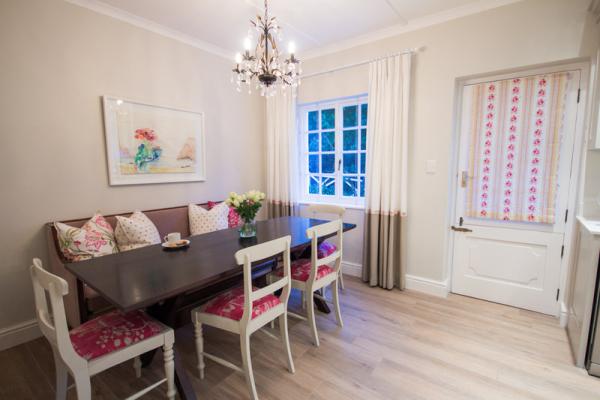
(132, 19)
(411, 25)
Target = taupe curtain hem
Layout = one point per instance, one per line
(279, 209)
(382, 264)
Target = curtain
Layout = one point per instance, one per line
(386, 172)
(282, 158)
(515, 134)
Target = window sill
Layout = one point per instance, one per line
(332, 203)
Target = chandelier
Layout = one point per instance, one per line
(263, 70)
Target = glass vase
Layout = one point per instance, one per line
(248, 229)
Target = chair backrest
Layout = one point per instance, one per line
(259, 252)
(50, 289)
(326, 209)
(315, 233)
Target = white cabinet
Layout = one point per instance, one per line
(582, 288)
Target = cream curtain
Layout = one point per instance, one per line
(389, 91)
(282, 155)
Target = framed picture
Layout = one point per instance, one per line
(146, 143)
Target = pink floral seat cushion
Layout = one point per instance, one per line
(233, 218)
(113, 331)
(300, 270)
(326, 249)
(231, 304)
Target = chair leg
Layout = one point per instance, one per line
(336, 302)
(199, 349)
(169, 370)
(247, 363)
(285, 340)
(137, 366)
(62, 376)
(310, 306)
(83, 386)
(341, 278)
(303, 299)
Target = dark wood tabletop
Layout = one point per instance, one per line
(139, 278)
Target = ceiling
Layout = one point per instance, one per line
(221, 25)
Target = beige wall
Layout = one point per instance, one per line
(590, 44)
(524, 33)
(56, 60)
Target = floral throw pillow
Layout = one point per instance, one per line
(233, 218)
(135, 231)
(95, 238)
(204, 221)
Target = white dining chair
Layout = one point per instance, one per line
(312, 275)
(246, 309)
(326, 247)
(98, 344)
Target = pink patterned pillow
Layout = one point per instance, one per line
(233, 218)
(94, 239)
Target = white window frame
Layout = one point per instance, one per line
(302, 129)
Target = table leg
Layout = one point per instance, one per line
(83, 311)
(321, 305)
(166, 313)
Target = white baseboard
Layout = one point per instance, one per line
(18, 334)
(352, 269)
(425, 285)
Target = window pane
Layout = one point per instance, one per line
(350, 186)
(350, 140)
(362, 186)
(350, 163)
(363, 114)
(363, 139)
(328, 163)
(313, 142)
(313, 163)
(328, 141)
(313, 184)
(328, 186)
(363, 162)
(328, 119)
(350, 116)
(313, 120)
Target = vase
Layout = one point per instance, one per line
(248, 229)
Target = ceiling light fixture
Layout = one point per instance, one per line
(263, 68)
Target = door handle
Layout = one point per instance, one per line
(460, 229)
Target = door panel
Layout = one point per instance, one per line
(508, 266)
(515, 156)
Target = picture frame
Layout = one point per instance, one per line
(148, 143)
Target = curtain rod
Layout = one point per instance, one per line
(358, 64)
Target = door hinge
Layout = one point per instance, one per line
(557, 293)
(578, 94)
(566, 214)
(562, 251)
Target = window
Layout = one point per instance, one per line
(333, 144)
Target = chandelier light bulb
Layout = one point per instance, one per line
(291, 47)
(238, 58)
(247, 44)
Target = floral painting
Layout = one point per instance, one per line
(152, 144)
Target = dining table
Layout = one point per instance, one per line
(164, 281)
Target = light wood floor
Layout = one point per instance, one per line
(395, 345)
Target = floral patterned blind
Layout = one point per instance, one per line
(515, 134)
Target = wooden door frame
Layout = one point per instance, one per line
(582, 126)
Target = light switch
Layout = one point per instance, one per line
(431, 167)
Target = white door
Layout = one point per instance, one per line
(516, 147)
